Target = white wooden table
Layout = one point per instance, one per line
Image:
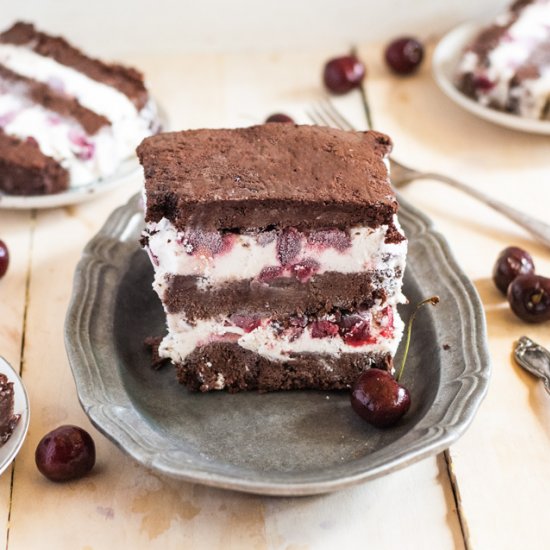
(489, 491)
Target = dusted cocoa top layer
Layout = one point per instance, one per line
(127, 80)
(270, 175)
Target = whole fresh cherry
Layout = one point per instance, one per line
(379, 399)
(279, 117)
(511, 263)
(343, 74)
(68, 452)
(404, 55)
(529, 298)
(4, 258)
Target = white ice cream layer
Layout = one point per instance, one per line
(85, 157)
(268, 342)
(96, 96)
(247, 258)
(56, 135)
(531, 29)
(533, 95)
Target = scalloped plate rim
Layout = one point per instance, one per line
(95, 407)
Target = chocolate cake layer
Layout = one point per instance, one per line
(25, 170)
(281, 297)
(54, 101)
(126, 80)
(235, 368)
(274, 175)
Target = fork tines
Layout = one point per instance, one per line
(324, 113)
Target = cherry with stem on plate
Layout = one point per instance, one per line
(377, 396)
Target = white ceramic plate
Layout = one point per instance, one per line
(21, 406)
(127, 170)
(444, 64)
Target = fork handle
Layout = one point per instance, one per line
(538, 229)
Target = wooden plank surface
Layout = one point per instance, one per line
(501, 463)
(122, 504)
(16, 229)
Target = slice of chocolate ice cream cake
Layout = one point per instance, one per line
(277, 252)
(507, 64)
(66, 119)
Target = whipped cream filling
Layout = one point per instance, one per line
(247, 256)
(531, 29)
(533, 95)
(104, 100)
(87, 158)
(268, 340)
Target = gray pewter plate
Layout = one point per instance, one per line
(285, 443)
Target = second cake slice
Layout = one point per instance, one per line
(277, 253)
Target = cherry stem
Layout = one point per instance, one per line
(364, 98)
(434, 300)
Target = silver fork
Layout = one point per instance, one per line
(325, 114)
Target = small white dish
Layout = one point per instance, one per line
(11, 447)
(445, 61)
